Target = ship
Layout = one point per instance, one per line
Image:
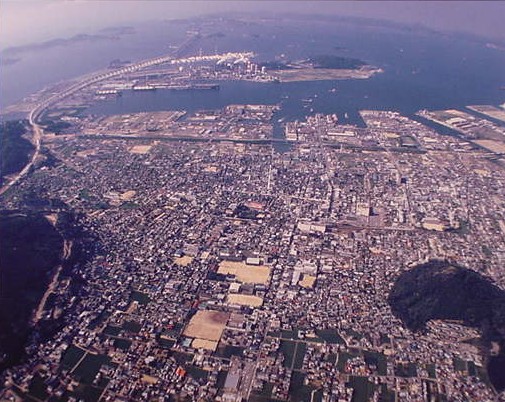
(144, 88)
(102, 92)
(205, 86)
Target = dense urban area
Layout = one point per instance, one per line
(220, 262)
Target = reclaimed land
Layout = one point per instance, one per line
(322, 74)
(322, 67)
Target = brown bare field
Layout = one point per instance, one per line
(127, 195)
(149, 379)
(207, 324)
(245, 300)
(494, 146)
(140, 149)
(183, 261)
(204, 344)
(245, 273)
(490, 111)
(307, 281)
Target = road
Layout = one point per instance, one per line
(67, 251)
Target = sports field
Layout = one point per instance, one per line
(245, 300)
(204, 344)
(259, 274)
(207, 324)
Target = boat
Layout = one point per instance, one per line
(204, 86)
(108, 92)
(144, 88)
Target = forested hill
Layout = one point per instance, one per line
(30, 248)
(14, 149)
(440, 290)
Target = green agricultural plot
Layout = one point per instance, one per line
(71, 357)
(196, 372)
(37, 388)
(299, 392)
(123, 344)
(430, 368)
(406, 370)
(132, 326)
(288, 350)
(362, 388)
(376, 359)
(140, 297)
(87, 370)
(330, 336)
(111, 330)
(301, 348)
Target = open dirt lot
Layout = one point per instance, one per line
(183, 261)
(204, 344)
(494, 146)
(140, 149)
(245, 273)
(245, 300)
(207, 324)
(307, 281)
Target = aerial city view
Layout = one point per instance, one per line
(252, 201)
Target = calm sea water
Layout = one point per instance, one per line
(422, 69)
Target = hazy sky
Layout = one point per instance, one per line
(27, 21)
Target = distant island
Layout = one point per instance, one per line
(10, 54)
